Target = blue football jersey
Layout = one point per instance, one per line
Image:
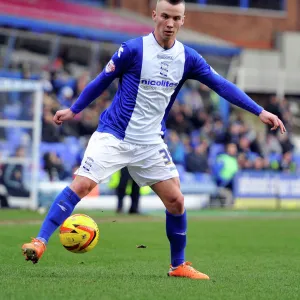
(150, 78)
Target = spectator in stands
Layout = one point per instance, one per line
(196, 160)
(50, 103)
(271, 145)
(88, 122)
(66, 97)
(224, 170)
(219, 132)
(227, 167)
(206, 95)
(54, 167)
(252, 136)
(243, 162)
(81, 83)
(260, 164)
(50, 132)
(233, 134)
(176, 148)
(287, 164)
(244, 147)
(198, 119)
(285, 143)
(193, 100)
(13, 177)
(274, 162)
(206, 133)
(179, 123)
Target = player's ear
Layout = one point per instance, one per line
(154, 15)
(183, 19)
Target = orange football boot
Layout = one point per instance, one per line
(33, 251)
(186, 270)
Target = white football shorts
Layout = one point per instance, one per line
(106, 154)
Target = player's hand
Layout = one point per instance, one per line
(63, 115)
(271, 119)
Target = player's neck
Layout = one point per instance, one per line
(164, 44)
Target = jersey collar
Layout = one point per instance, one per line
(152, 33)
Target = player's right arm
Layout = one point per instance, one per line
(114, 69)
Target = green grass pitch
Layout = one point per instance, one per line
(256, 256)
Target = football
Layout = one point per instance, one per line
(79, 233)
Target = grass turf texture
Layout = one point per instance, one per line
(246, 258)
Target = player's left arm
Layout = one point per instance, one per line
(204, 73)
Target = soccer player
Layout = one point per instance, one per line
(151, 71)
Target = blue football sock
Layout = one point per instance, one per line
(60, 209)
(176, 226)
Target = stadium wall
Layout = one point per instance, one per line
(249, 29)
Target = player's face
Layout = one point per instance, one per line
(168, 19)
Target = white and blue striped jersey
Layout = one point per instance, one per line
(150, 78)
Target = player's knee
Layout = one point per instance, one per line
(82, 186)
(175, 204)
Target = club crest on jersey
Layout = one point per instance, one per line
(110, 67)
(164, 69)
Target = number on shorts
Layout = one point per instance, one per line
(88, 164)
(166, 156)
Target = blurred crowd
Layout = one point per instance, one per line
(197, 134)
(199, 140)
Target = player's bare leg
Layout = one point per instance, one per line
(82, 186)
(176, 224)
(61, 209)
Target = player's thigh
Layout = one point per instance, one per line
(104, 156)
(152, 164)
